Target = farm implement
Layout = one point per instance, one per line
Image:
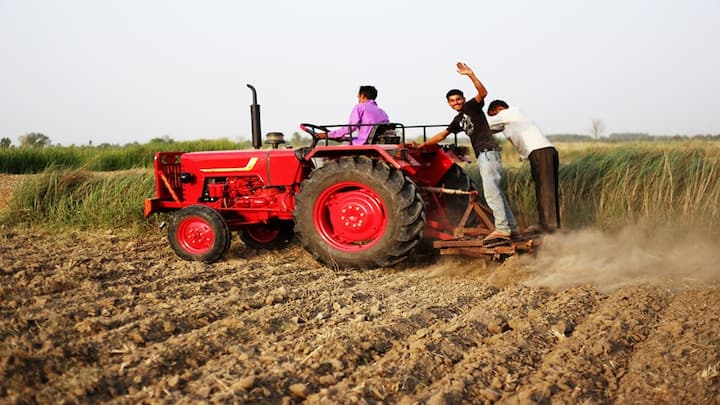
(349, 205)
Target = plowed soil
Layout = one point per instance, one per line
(109, 318)
(105, 317)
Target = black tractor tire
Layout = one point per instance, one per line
(271, 236)
(358, 212)
(456, 204)
(199, 233)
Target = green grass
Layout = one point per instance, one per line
(609, 186)
(655, 184)
(103, 158)
(75, 198)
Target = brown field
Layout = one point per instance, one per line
(112, 318)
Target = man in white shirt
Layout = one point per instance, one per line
(532, 145)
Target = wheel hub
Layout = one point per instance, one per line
(195, 235)
(356, 217)
(351, 216)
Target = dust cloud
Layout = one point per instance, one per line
(634, 256)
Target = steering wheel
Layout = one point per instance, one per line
(313, 130)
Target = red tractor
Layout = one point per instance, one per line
(362, 206)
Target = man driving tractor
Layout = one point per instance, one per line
(365, 112)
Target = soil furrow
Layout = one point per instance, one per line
(108, 318)
(513, 348)
(588, 365)
(680, 361)
(336, 348)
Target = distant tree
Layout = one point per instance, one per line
(597, 129)
(34, 140)
(5, 143)
(299, 140)
(569, 138)
(162, 139)
(629, 136)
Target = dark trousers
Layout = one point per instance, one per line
(544, 167)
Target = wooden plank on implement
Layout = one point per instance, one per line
(458, 243)
(470, 252)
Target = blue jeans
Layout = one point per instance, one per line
(490, 164)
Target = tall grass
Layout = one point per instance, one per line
(673, 184)
(652, 184)
(61, 198)
(35, 160)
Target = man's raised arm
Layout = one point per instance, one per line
(464, 69)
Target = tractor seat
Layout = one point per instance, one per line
(383, 134)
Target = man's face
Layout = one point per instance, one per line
(494, 111)
(456, 102)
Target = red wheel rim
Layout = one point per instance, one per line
(262, 233)
(350, 216)
(195, 235)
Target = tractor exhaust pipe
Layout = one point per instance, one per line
(255, 120)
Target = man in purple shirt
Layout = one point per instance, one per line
(365, 112)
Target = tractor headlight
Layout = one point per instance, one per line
(187, 178)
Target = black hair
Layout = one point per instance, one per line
(454, 92)
(369, 92)
(497, 103)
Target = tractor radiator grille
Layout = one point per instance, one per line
(167, 173)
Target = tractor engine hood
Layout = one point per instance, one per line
(275, 167)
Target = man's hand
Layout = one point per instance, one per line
(464, 69)
(321, 135)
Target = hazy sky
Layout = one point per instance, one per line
(131, 70)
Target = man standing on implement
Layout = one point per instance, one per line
(534, 146)
(471, 120)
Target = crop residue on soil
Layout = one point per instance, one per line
(113, 318)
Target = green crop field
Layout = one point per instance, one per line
(609, 185)
(36, 160)
(605, 185)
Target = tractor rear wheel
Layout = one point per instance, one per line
(359, 212)
(199, 233)
(270, 236)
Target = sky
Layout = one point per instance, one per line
(123, 71)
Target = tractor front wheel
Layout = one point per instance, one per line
(199, 233)
(359, 212)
